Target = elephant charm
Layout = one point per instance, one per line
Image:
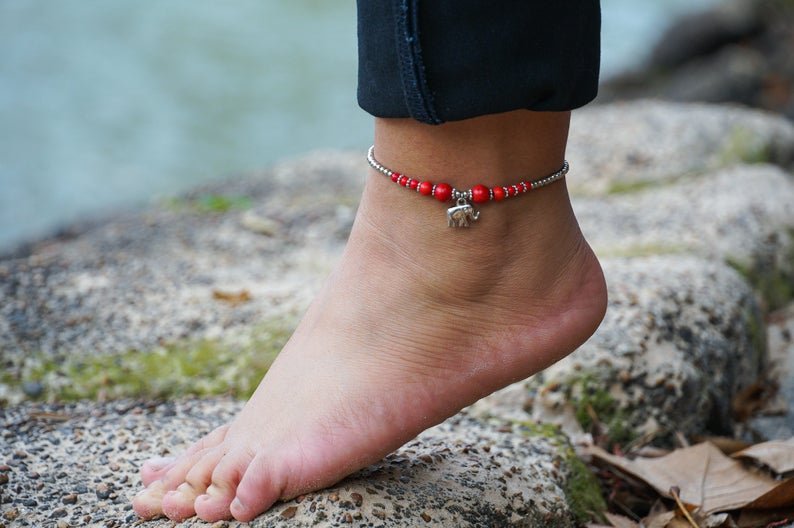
(462, 214)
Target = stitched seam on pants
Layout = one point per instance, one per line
(417, 94)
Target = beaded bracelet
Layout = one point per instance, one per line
(462, 214)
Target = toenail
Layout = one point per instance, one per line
(237, 505)
(159, 462)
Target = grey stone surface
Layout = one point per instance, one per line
(151, 278)
(742, 215)
(78, 464)
(623, 146)
(680, 339)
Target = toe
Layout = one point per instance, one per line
(155, 468)
(259, 488)
(214, 505)
(179, 503)
(148, 503)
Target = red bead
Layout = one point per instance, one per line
(413, 184)
(403, 179)
(498, 193)
(524, 186)
(480, 194)
(426, 188)
(443, 192)
(395, 176)
(512, 190)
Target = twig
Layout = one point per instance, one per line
(674, 491)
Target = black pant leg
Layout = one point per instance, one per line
(444, 60)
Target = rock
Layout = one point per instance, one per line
(729, 53)
(103, 491)
(71, 498)
(705, 32)
(624, 147)
(476, 474)
(742, 215)
(32, 389)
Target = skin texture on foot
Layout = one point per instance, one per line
(416, 322)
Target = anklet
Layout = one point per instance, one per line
(462, 214)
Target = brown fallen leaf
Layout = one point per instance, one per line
(726, 444)
(763, 518)
(706, 478)
(619, 521)
(682, 509)
(659, 520)
(778, 455)
(238, 297)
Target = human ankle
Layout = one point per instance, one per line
(491, 150)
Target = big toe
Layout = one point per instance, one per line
(259, 488)
(215, 504)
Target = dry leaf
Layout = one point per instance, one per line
(706, 478)
(239, 297)
(619, 521)
(716, 520)
(660, 520)
(777, 454)
(678, 522)
(761, 518)
(726, 444)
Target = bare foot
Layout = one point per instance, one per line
(417, 321)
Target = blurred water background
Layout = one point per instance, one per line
(108, 104)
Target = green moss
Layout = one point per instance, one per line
(744, 147)
(201, 367)
(775, 285)
(590, 398)
(545, 430)
(582, 490)
(627, 187)
(210, 203)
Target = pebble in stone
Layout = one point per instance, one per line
(358, 499)
(33, 389)
(103, 491)
(69, 499)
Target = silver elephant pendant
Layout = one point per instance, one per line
(462, 214)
